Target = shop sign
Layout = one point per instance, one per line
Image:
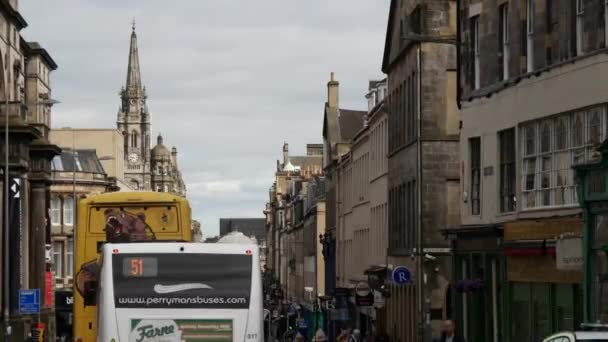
(48, 289)
(187, 330)
(569, 253)
(363, 295)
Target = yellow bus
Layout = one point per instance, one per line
(119, 217)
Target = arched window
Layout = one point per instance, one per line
(68, 211)
(134, 185)
(134, 138)
(55, 211)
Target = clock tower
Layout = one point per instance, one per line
(134, 123)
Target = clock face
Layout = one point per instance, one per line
(133, 157)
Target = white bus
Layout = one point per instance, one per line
(180, 292)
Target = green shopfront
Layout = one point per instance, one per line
(592, 180)
(507, 285)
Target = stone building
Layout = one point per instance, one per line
(361, 191)
(25, 97)
(286, 221)
(423, 178)
(166, 176)
(313, 215)
(533, 105)
(339, 127)
(147, 168)
(77, 174)
(197, 231)
(107, 143)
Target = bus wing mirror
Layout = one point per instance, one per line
(90, 292)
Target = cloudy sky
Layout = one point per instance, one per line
(228, 80)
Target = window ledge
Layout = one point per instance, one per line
(549, 208)
(506, 213)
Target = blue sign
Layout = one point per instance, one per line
(401, 275)
(29, 301)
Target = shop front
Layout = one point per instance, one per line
(592, 189)
(64, 304)
(542, 295)
(479, 274)
(511, 282)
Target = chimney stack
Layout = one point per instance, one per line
(174, 156)
(332, 92)
(285, 154)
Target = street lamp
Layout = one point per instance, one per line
(7, 327)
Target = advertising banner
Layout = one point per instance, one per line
(210, 281)
(186, 330)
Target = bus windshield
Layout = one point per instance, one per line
(163, 280)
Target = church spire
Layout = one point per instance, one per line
(133, 74)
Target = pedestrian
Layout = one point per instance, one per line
(355, 336)
(448, 333)
(344, 334)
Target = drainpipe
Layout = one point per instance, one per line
(423, 316)
(458, 33)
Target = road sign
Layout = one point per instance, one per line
(29, 301)
(362, 289)
(16, 187)
(401, 275)
(363, 294)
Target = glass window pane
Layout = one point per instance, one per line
(541, 311)
(600, 233)
(530, 144)
(69, 258)
(55, 210)
(601, 285)
(595, 126)
(530, 169)
(564, 300)
(520, 312)
(68, 211)
(577, 130)
(561, 133)
(58, 258)
(545, 139)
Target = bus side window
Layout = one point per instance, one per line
(90, 292)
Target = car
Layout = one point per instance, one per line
(591, 333)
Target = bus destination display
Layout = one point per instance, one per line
(139, 267)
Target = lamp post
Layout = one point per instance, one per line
(7, 327)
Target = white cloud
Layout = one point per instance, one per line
(228, 80)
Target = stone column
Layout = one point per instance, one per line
(38, 235)
(41, 154)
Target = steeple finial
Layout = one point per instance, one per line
(133, 26)
(133, 73)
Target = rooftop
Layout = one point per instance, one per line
(81, 161)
